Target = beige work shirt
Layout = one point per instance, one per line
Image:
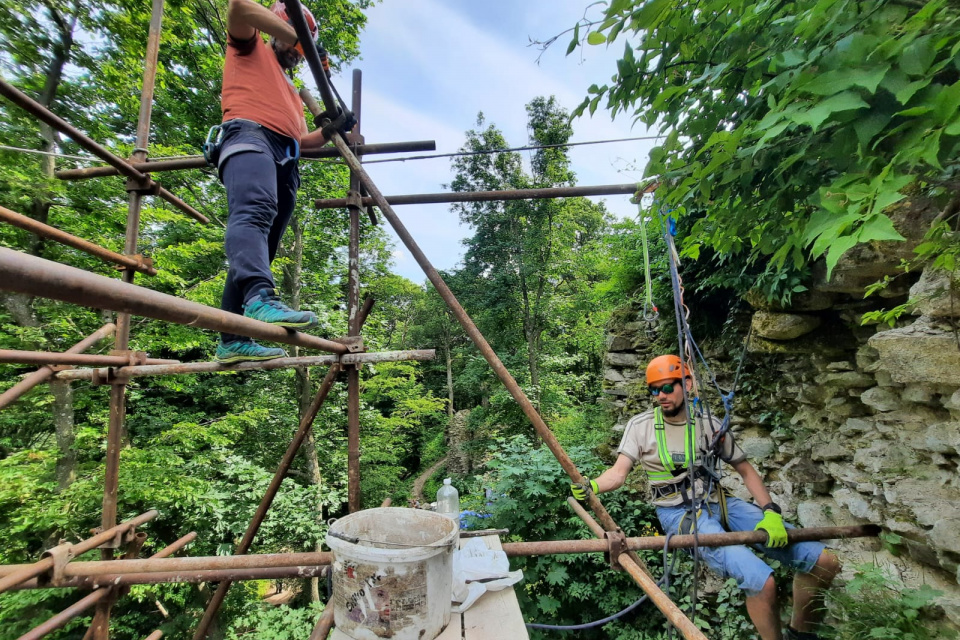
(639, 443)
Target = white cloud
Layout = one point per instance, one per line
(430, 65)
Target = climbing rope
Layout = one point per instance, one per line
(650, 312)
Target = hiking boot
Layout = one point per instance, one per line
(246, 351)
(266, 307)
(792, 634)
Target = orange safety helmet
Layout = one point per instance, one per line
(665, 368)
(281, 10)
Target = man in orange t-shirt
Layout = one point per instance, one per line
(263, 133)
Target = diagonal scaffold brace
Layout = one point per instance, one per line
(295, 13)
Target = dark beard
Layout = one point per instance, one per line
(288, 59)
(675, 412)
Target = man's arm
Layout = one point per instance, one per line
(614, 477)
(246, 17)
(753, 482)
(313, 140)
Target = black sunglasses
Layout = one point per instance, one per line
(666, 388)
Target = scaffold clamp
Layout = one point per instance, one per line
(61, 554)
(616, 544)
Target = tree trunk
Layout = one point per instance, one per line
(447, 350)
(302, 382)
(66, 434)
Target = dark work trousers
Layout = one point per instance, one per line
(258, 168)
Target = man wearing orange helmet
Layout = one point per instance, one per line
(672, 452)
(263, 132)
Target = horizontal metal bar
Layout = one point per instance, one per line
(45, 373)
(514, 549)
(82, 605)
(266, 365)
(52, 233)
(38, 277)
(487, 196)
(202, 563)
(20, 573)
(14, 356)
(167, 577)
(199, 162)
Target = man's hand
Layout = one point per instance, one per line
(579, 489)
(772, 523)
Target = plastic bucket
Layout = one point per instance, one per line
(392, 573)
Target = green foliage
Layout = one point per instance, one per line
(275, 623)
(872, 606)
(792, 130)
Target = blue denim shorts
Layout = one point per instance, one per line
(739, 561)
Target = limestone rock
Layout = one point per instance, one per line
(847, 380)
(458, 456)
(856, 504)
(618, 343)
(757, 448)
(623, 359)
(919, 393)
(803, 301)
(843, 365)
(937, 294)
(920, 352)
(953, 403)
(783, 326)
(868, 359)
(880, 399)
(613, 376)
(943, 437)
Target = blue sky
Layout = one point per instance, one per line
(430, 65)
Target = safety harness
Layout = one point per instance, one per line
(696, 470)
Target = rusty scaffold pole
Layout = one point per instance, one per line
(123, 167)
(199, 162)
(14, 356)
(662, 601)
(349, 359)
(44, 373)
(353, 317)
(296, 14)
(486, 196)
(213, 606)
(137, 263)
(100, 628)
(17, 574)
(90, 600)
(47, 279)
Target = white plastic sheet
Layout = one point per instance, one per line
(476, 570)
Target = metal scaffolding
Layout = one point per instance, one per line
(110, 577)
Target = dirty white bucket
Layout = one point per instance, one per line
(392, 573)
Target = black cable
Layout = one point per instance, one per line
(529, 148)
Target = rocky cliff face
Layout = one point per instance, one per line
(848, 424)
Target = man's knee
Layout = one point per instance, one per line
(827, 566)
(768, 592)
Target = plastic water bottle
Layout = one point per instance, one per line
(448, 501)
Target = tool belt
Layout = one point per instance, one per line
(215, 153)
(683, 489)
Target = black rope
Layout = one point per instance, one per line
(527, 148)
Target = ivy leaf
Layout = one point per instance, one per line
(918, 56)
(837, 249)
(816, 115)
(839, 80)
(595, 37)
(878, 227)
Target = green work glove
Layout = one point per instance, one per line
(772, 523)
(579, 489)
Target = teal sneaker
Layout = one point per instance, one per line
(246, 351)
(266, 307)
